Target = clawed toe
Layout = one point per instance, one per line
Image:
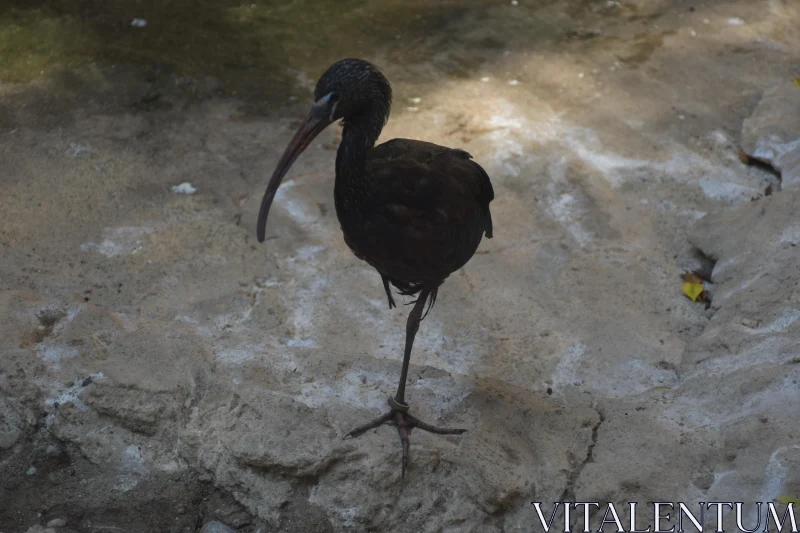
(404, 423)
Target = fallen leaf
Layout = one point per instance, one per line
(796, 81)
(691, 277)
(693, 290)
(786, 500)
(696, 276)
(743, 157)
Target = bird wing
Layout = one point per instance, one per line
(428, 186)
(430, 208)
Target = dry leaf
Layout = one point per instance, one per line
(696, 276)
(743, 157)
(693, 290)
(694, 287)
(691, 277)
(796, 81)
(786, 500)
(705, 296)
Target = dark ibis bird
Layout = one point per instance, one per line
(413, 210)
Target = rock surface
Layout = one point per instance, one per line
(216, 527)
(11, 426)
(160, 369)
(772, 133)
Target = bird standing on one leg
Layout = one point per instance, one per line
(413, 210)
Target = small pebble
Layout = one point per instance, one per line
(184, 188)
(682, 117)
(514, 3)
(484, 79)
(138, 23)
(413, 108)
(57, 522)
(31, 471)
(513, 82)
(580, 75)
(415, 100)
(735, 21)
(507, 53)
(706, 21)
(52, 450)
(693, 33)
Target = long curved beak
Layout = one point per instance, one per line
(316, 121)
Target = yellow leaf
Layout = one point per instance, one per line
(693, 290)
(796, 81)
(786, 500)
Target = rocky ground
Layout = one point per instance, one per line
(160, 369)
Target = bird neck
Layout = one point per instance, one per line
(358, 138)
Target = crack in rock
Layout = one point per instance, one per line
(569, 491)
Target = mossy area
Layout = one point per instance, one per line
(264, 42)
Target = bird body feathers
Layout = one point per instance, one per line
(420, 215)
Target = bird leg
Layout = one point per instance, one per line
(398, 415)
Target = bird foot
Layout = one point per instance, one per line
(398, 416)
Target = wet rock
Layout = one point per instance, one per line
(31, 471)
(772, 133)
(216, 527)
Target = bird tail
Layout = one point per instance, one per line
(411, 289)
(488, 225)
(431, 301)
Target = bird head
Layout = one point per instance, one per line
(352, 90)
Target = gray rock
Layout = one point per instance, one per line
(772, 133)
(11, 424)
(216, 527)
(745, 427)
(138, 410)
(53, 450)
(57, 522)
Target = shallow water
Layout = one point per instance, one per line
(263, 43)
